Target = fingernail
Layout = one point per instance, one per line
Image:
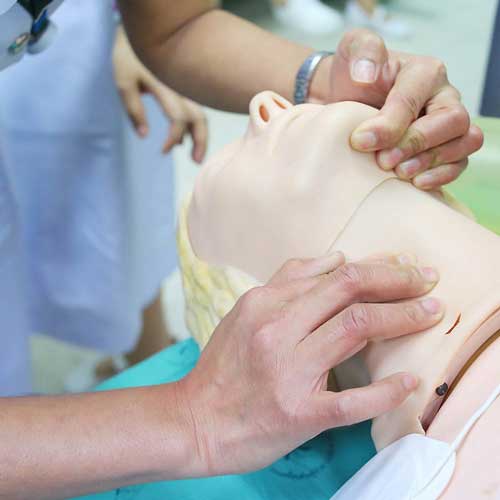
(389, 159)
(364, 71)
(142, 130)
(363, 141)
(407, 259)
(409, 168)
(429, 274)
(431, 305)
(424, 180)
(410, 382)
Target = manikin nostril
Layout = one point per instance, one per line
(280, 104)
(264, 113)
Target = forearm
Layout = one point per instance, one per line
(57, 447)
(214, 57)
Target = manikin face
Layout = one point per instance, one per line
(254, 201)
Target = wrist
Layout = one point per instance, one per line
(164, 440)
(319, 90)
(176, 435)
(199, 427)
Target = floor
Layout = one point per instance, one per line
(457, 31)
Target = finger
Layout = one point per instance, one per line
(415, 84)
(440, 176)
(366, 53)
(294, 279)
(199, 133)
(168, 101)
(349, 331)
(427, 132)
(175, 135)
(132, 101)
(336, 409)
(406, 259)
(451, 152)
(360, 282)
(299, 269)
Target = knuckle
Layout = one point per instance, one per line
(371, 40)
(341, 411)
(293, 266)
(411, 102)
(412, 314)
(350, 278)
(410, 278)
(460, 116)
(356, 321)
(390, 132)
(360, 39)
(416, 141)
(263, 339)
(252, 300)
(477, 137)
(438, 67)
(394, 394)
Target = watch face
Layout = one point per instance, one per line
(307, 460)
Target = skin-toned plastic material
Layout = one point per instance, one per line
(293, 187)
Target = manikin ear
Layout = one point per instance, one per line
(264, 108)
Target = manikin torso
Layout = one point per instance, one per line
(293, 187)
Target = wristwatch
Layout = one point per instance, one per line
(306, 73)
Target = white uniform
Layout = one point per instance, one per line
(15, 27)
(93, 202)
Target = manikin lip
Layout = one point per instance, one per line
(5, 5)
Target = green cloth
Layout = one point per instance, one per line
(317, 469)
(313, 471)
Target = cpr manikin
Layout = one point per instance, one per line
(293, 187)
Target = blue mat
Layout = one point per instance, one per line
(314, 471)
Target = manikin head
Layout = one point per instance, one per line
(293, 187)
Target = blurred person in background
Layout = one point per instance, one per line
(94, 195)
(317, 18)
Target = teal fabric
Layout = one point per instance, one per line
(314, 471)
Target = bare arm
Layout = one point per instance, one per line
(56, 447)
(209, 55)
(230, 417)
(222, 61)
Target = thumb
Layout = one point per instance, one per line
(132, 101)
(366, 55)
